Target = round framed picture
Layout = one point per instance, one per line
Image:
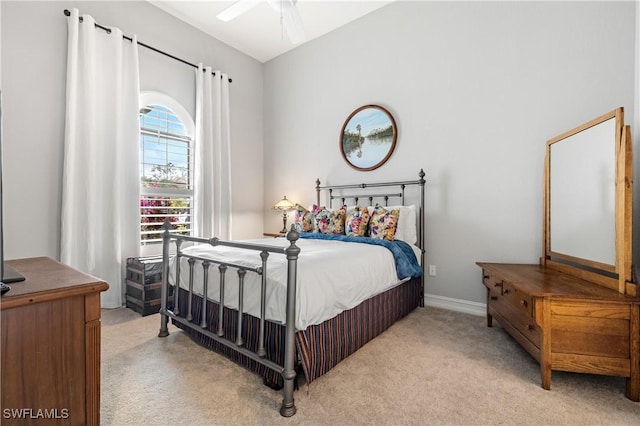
(368, 137)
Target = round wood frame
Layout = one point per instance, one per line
(392, 122)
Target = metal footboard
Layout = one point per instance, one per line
(200, 324)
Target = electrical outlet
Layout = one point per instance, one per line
(432, 270)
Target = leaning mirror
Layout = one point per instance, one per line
(586, 229)
(368, 137)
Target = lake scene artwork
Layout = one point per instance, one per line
(368, 137)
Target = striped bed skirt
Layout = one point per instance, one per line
(320, 347)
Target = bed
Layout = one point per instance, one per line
(282, 307)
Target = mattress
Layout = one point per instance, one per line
(333, 276)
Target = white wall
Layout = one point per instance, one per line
(34, 36)
(476, 89)
(0, 45)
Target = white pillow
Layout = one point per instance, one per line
(407, 224)
(406, 229)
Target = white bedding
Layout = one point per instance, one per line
(333, 276)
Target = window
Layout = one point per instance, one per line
(166, 171)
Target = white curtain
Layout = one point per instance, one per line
(212, 203)
(100, 196)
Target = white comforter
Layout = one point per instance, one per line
(333, 276)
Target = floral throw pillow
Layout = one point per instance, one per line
(383, 223)
(304, 218)
(329, 221)
(357, 222)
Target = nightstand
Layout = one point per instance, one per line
(273, 234)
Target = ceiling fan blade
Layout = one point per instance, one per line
(236, 9)
(292, 22)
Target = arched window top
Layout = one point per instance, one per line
(160, 99)
(158, 118)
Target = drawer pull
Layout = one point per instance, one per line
(507, 291)
(524, 303)
(498, 284)
(530, 327)
(494, 297)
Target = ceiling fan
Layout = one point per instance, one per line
(289, 15)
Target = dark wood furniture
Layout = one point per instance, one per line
(51, 345)
(143, 284)
(566, 323)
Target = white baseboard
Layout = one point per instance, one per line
(458, 305)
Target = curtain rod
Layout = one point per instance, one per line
(108, 30)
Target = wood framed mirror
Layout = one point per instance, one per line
(587, 202)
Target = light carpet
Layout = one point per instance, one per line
(435, 367)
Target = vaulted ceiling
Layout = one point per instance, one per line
(259, 32)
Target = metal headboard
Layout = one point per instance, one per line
(345, 193)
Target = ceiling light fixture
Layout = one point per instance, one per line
(290, 19)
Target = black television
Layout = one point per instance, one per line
(7, 273)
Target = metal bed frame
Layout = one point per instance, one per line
(385, 196)
(237, 343)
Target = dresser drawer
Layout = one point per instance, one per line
(511, 306)
(516, 317)
(519, 299)
(499, 287)
(492, 282)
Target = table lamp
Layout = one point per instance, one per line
(284, 205)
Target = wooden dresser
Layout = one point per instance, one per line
(578, 310)
(566, 323)
(51, 345)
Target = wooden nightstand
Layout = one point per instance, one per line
(273, 234)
